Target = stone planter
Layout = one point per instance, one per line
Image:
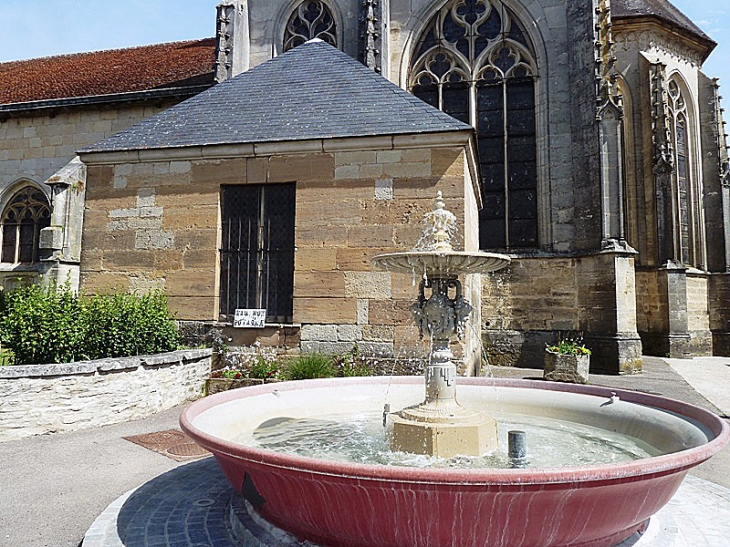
(560, 367)
(216, 385)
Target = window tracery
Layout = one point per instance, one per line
(311, 19)
(25, 215)
(475, 62)
(683, 170)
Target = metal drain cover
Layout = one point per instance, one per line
(171, 443)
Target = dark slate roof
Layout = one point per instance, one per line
(662, 10)
(313, 91)
(112, 72)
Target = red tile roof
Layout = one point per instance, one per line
(159, 66)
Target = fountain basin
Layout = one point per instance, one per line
(349, 504)
(441, 263)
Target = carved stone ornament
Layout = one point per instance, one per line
(370, 35)
(224, 46)
(440, 317)
(661, 130)
(652, 41)
(472, 40)
(608, 94)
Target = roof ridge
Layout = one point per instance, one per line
(110, 50)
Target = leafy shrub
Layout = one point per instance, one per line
(124, 324)
(47, 324)
(263, 369)
(43, 325)
(310, 365)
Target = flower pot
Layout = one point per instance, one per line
(560, 367)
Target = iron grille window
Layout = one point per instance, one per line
(25, 216)
(257, 254)
(474, 62)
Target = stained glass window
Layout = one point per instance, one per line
(475, 63)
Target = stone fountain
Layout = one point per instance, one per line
(359, 502)
(439, 426)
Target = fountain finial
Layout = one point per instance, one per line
(440, 225)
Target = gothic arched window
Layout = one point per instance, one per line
(25, 215)
(311, 19)
(475, 62)
(682, 172)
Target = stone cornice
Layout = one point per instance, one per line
(386, 142)
(648, 36)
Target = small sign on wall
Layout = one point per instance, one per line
(249, 319)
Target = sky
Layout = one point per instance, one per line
(37, 28)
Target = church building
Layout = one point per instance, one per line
(263, 168)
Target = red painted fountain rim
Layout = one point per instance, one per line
(655, 466)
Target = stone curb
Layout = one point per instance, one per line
(102, 365)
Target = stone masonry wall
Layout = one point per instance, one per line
(719, 304)
(157, 224)
(652, 313)
(43, 399)
(526, 306)
(698, 315)
(537, 300)
(380, 196)
(35, 147)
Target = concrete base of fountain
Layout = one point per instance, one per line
(444, 430)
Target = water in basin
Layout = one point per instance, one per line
(361, 438)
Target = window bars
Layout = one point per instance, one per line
(257, 254)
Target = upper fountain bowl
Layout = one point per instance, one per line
(433, 255)
(441, 263)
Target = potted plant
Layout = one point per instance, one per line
(243, 367)
(567, 361)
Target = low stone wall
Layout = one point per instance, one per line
(42, 399)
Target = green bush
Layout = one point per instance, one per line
(42, 325)
(46, 324)
(120, 325)
(310, 365)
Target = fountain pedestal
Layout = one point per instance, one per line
(440, 426)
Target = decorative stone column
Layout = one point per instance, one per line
(61, 241)
(607, 293)
(663, 163)
(374, 50)
(232, 39)
(610, 119)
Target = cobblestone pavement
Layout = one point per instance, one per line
(185, 507)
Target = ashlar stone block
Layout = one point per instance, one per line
(375, 285)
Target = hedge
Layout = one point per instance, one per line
(48, 324)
